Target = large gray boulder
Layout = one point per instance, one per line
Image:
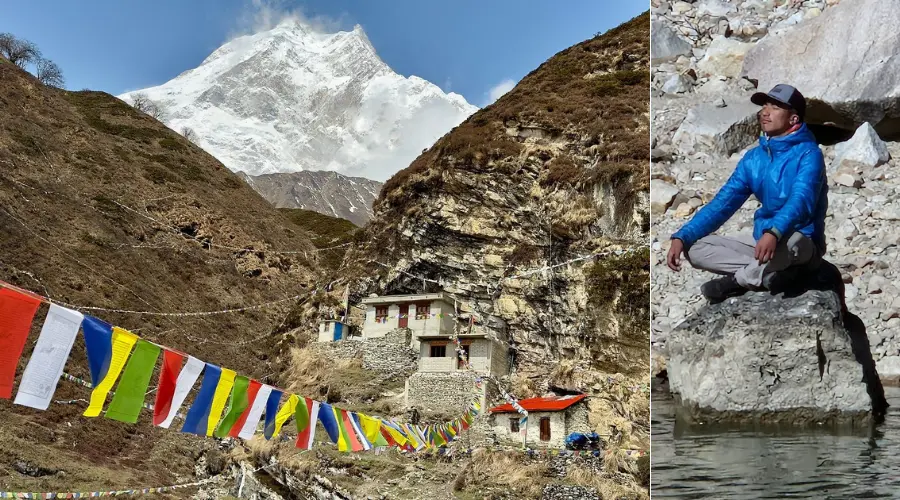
(665, 43)
(775, 359)
(844, 61)
(718, 130)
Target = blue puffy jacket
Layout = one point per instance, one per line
(787, 175)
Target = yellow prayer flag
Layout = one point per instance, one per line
(371, 427)
(122, 343)
(398, 436)
(223, 390)
(285, 413)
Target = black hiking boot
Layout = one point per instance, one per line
(719, 289)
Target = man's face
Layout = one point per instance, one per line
(775, 118)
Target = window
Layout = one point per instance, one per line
(438, 351)
(514, 425)
(460, 363)
(381, 313)
(423, 311)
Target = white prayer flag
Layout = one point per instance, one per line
(256, 410)
(49, 357)
(186, 379)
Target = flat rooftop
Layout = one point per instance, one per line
(394, 299)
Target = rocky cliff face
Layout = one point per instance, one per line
(493, 212)
(702, 126)
(328, 193)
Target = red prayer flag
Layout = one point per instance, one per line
(17, 311)
(168, 375)
(252, 390)
(355, 445)
(387, 436)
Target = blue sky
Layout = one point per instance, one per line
(465, 46)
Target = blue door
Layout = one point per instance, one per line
(338, 330)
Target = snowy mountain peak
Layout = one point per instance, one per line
(293, 98)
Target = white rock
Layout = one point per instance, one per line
(665, 43)
(677, 84)
(724, 56)
(865, 148)
(720, 131)
(661, 196)
(847, 177)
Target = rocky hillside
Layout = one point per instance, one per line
(101, 205)
(703, 124)
(294, 98)
(554, 170)
(328, 193)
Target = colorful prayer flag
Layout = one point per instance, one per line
(129, 398)
(223, 390)
(238, 402)
(252, 394)
(122, 342)
(284, 414)
(357, 428)
(17, 311)
(256, 411)
(271, 412)
(165, 389)
(49, 357)
(307, 414)
(329, 422)
(187, 377)
(198, 415)
(98, 344)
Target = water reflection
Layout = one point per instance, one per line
(706, 463)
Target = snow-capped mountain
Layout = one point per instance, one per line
(293, 99)
(328, 193)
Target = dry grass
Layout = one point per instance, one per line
(609, 485)
(510, 470)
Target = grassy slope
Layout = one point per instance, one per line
(70, 164)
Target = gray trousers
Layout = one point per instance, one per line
(734, 255)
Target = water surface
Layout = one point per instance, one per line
(732, 464)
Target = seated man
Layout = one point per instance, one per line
(786, 173)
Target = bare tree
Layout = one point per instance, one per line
(49, 73)
(189, 134)
(142, 103)
(19, 52)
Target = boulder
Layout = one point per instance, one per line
(665, 44)
(661, 196)
(717, 130)
(724, 57)
(677, 84)
(785, 359)
(865, 148)
(849, 75)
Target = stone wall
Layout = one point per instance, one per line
(577, 419)
(389, 355)
(448, 393)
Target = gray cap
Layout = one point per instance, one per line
(784, 94)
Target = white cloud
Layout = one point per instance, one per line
(263, 15)
(498, 90)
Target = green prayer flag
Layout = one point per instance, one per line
(237, 404)
(129, 398)
(301, 415)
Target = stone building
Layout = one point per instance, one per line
(331, 330)
(423, 314)
(442, 383)
(550, 420)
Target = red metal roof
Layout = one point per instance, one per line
(550, 403)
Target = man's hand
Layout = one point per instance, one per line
(674, 257)
(765, 248)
